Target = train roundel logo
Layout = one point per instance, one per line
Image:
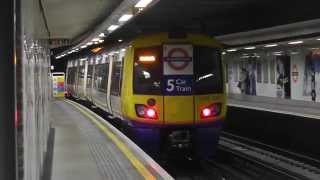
(295, 73)
(178, 62)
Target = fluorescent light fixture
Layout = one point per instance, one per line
(84, 46)
(95, 39)
(318, 39)
(143, 3)
(271, 45)
(232, 50)
(102, 35)
(113, 27)
(101, 41)
(125, 17)
(96, 43)
(89, 43)
(120, 40)
(295, 42)
(147, 58)
(249, 48)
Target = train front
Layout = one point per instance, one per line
(176, 98)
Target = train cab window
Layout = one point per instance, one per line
(207, 70)
(116, 78)
(147, 71)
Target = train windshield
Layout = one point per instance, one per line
(207, 70)
(148, 72)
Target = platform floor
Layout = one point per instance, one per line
(82, 151)
(277, 105)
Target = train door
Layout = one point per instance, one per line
(178, 80)
(115, 90)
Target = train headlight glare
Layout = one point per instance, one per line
(151, 113)
(144, 111)
(210, 111)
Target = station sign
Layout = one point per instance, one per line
(58, 84)
(178, 69)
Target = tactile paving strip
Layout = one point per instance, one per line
(111, 163)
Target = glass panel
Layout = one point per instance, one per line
(148, 75)
(207, 70)
(116, 78)
(101, 77)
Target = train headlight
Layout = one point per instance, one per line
(144, 111)
(210, 111)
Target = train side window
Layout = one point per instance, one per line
(89, 76)
(207, 70)
(71, 75)
(101, 77)
(116, 78)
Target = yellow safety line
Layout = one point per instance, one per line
(127, 152)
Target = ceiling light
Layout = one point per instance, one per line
(96, 43)
(249, 48)
(318, 39)
(223, 53)
(271, 45)
(295, 42)
(232, 50)
(125, 17)
(123, 49)
(102, 35)
(95, 39)
(120, 40)
(89, 43)
(143, 3)
(84, 46)
(101, 41)
(113, 27)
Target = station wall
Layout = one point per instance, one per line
(288, 73)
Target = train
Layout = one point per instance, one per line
(167, 90)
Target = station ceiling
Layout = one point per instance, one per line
(69, 19)
(219, 17)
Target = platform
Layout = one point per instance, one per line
(87, 147)
(306, 109)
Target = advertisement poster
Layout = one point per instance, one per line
(283, 76)
(58, 84)
(247, 79)
(312, 75)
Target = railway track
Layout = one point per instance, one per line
(259, 162)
